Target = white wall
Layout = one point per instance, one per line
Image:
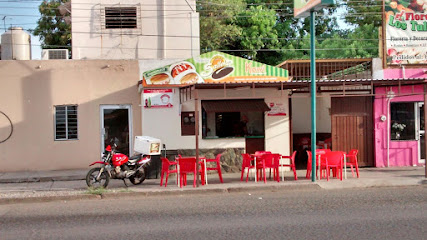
(301, 113)
(377, 68)
(166, 29)
(165, 123)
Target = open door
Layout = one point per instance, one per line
(116, 127)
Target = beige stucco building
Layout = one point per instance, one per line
(134, 29)
(33, 92)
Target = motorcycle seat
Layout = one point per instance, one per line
(135, 158)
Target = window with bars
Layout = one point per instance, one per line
(66, 122)
(120, 17)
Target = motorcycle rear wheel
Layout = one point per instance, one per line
(103, 180)
(138, 178)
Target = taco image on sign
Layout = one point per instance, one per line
(184, 73)
(220, 68)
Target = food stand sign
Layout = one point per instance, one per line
(214, 67)
(406, 32)
(277, 109)
(158, 98)
(302, 7)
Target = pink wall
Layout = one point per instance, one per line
(409, 73)
(402, 153)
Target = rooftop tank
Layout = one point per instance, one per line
(15, 44)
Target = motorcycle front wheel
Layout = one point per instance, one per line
(137, 178)
(96, 179)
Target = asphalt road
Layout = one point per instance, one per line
(373, 213)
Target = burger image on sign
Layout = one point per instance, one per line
(220, 67)
(158, 76)
(184, 73)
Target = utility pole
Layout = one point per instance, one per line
(313, 94)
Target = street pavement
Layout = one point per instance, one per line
(365, 213)
(38, 186)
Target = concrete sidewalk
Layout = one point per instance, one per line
(70, 184)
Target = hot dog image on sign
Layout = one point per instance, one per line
(184, 73)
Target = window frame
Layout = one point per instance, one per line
(55, 120)
(120, 18)
(393, 130)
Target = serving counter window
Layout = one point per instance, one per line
(233, 118)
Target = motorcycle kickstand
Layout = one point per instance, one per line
(124, 181)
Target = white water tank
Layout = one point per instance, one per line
(15, 44)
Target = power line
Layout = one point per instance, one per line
(190, 49)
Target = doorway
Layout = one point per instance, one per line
(421, 133)
(116, 127)
(352, 127)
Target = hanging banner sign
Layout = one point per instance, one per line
(214, 67)
(158, 98)
(277, 109)
(406, 32)
(302, 7)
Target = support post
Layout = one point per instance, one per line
(425, 127)
(313, 95)
(196, 116)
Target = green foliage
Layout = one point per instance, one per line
(258, 30)
(364, 12)
(96, 191)
(266, 31)
(217, 23)
(51, 28)
(362, 42)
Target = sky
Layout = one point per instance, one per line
(21, 13)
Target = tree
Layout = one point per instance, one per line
(51, 28)
(217, 23)
(360, 43)
(266, 30)
(258, 31)
(361, 13)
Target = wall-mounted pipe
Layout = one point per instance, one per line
(403, 71)
(390, 95)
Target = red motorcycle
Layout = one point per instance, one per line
(117, 166)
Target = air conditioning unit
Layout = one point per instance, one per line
(54, 54)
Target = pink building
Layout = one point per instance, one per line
(399, 120)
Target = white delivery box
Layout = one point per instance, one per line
(147, 145)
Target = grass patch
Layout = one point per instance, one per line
(96, 191)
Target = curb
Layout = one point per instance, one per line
(41, 179)
(113, 195)
(4, 201)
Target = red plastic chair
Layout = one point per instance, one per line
(271, 161)
(291, 165)
(166, 164)
(187, 165)
(318, 152)
(246, 164)
(217, 167)
(332, 160)
(352, 161)
(261, 152)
